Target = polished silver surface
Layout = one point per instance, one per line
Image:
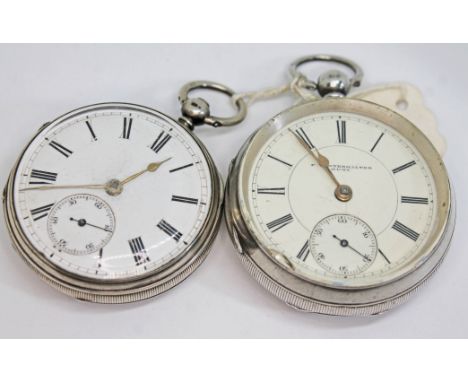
(279, 278)
(332, 82)
(123, 291)
(196, 111)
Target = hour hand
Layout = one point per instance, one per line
(152, 167)
(343, 192)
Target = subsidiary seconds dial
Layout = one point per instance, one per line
(343, 244)
(80, 224)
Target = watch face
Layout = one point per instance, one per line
(112, 192)
(368, 231)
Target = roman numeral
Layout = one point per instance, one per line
(403, 167)
(272, 191)
(279, 160)
(302, 134)
(61, 149)
(183, 199)
(90, 128)
(408, 232)
(45, 176)
(101, 251)
(41, 212)
(169, 230)
(181, 167)
(138, 249)
(341, 130)
(127, 127)
(304, 252)
(160, 141)
(376, 142)
(385, 257)
(279, 223)
(414, 200)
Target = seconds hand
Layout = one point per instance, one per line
(345, 243)
(83, 222)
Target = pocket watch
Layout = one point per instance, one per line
(340, 205)
(117, 202)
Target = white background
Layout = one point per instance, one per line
(220, 299)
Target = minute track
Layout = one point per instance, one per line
(308, 195)
(374, 241)
(113, 192)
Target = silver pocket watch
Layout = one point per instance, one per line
(341, 204)
(116, 202)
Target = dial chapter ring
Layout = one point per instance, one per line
(126, 290)
(305, 294)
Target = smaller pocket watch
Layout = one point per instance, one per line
(341, 205)
(116, 202)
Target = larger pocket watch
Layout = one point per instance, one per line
(340, 206)
(116, 202)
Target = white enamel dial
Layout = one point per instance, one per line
(393, 199)
(112, 193)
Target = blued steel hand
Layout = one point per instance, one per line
(83, 222)
(345, 243)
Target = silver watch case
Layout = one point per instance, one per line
(279, 278)
(124, 291)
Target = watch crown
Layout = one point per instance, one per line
(196, 109)
(333, 83)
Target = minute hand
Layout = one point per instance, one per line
(58, 187)
(319, 158)
(152, 167)
(342, 192)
